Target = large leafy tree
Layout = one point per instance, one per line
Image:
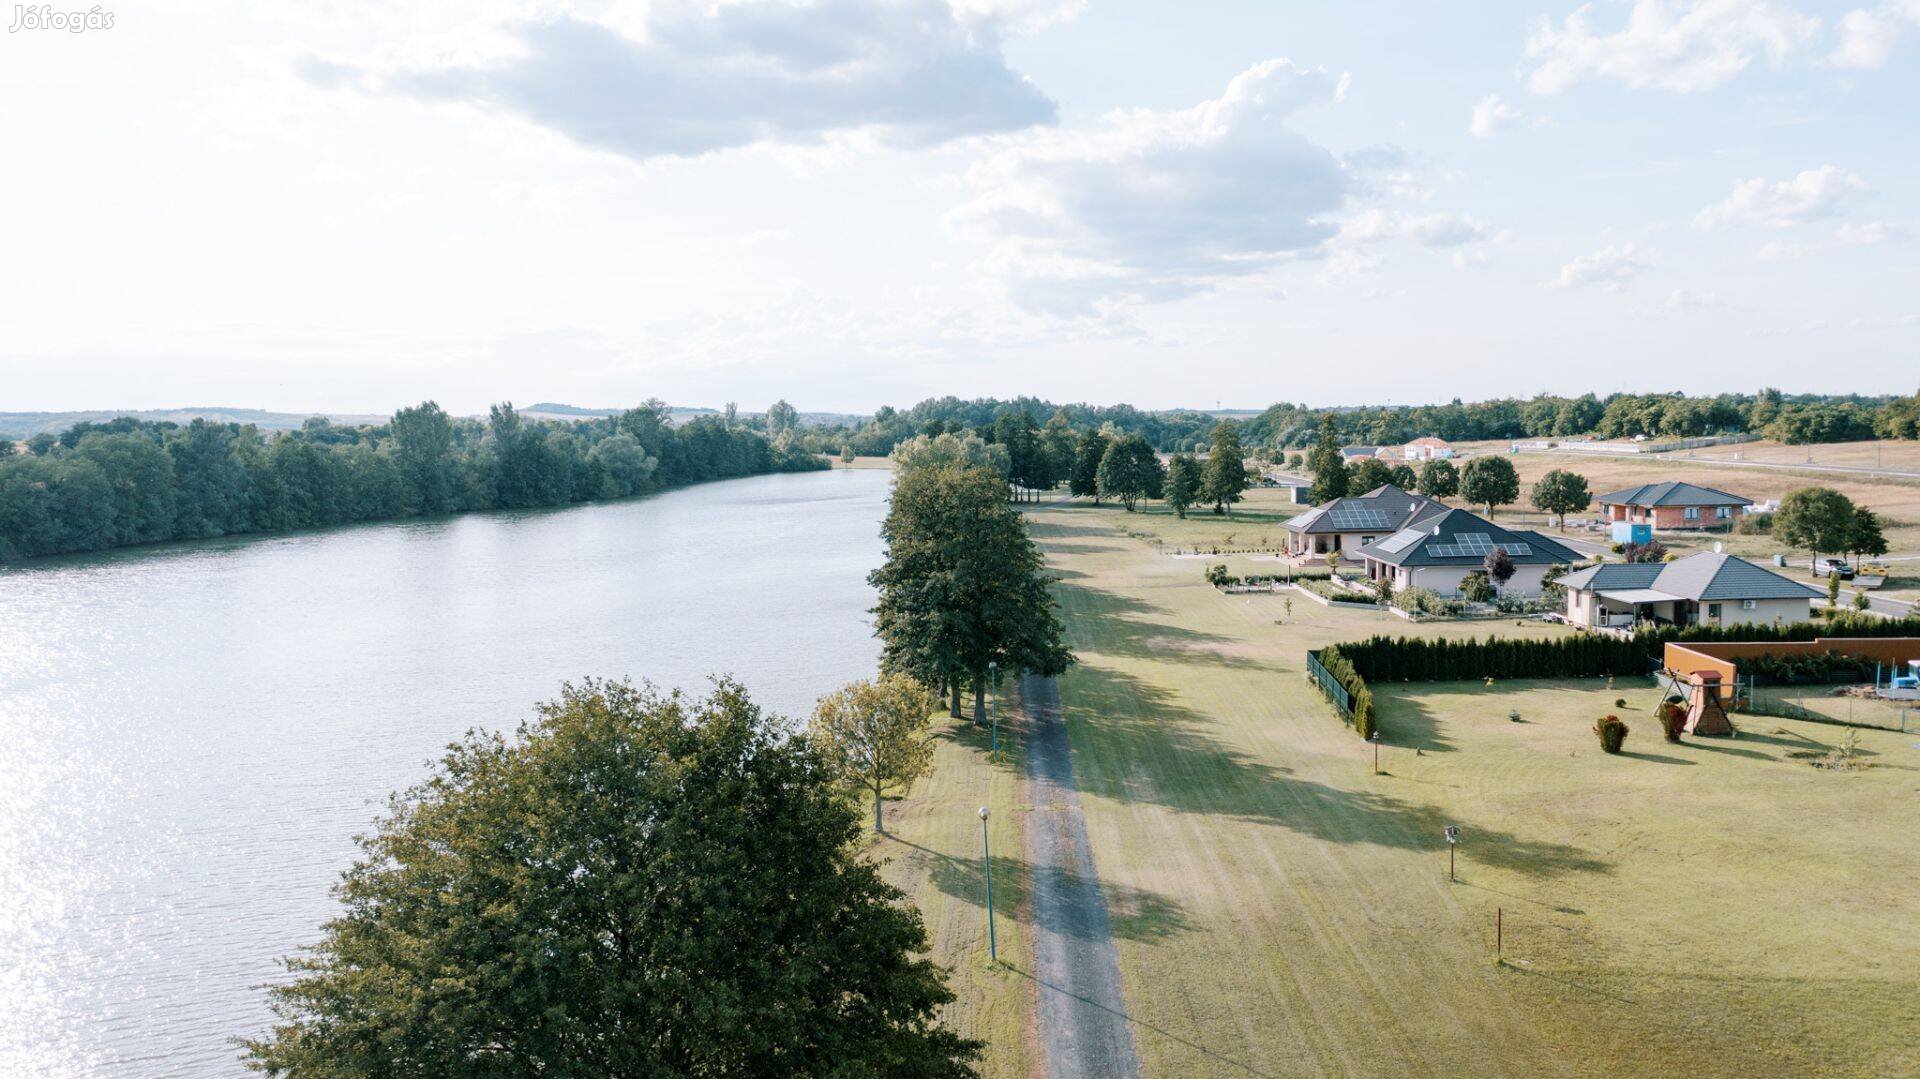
(1866, 538)
(632, 885)
(1084, 480)
(1330, 480)
(875, 732)
(961, 587)
(1225, 480)
(782, 416)
(1560, 492)
(1183, 483)
(1131, 471)
(1439, 479)
(1368, 474)
(1816, 518)
(1489, 480)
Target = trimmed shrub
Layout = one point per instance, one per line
(1476, 588)
(1342, 669)
(1673, 718)
(1612, 732)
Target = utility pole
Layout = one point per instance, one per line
(986, 858)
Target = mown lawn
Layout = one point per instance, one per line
(1718, 908)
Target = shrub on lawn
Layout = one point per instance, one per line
(1476, 588)
(1612, 732)
(1673, 718)
(1217, 575)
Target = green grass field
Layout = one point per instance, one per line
(1714, 908)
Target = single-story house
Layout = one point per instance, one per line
(1427, 449)
(1351, 454)
(1673, 505)
(1347, 524)
(1440, 546)
(1706, 589)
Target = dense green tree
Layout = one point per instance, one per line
(782, 416)
(1130, 471)
(1816, 518)
(1498, 566)
(961, 587)
(423, 446)
(875, 733)
(1560, 492)
(1087, 455)
(41, 444)
(1489, 480)
(632, 885)
(1865, 538)
(1402, 476)
(1329, 468)
(623, 466)
(1439, 479)
(1224, 481)
(140, 478)
(1059, 443)
(964, 450)
(1368, 474)
(1183, 483)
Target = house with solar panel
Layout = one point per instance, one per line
(1705, 589)
(1440, 546)
(1673, 505)
(1347, 524)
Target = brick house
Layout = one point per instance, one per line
(1673, 505)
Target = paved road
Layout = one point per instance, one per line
(1084, 1029)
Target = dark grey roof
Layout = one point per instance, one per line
(1381, 510)
(1673, 493)
(1709, 575)
(1444, 536)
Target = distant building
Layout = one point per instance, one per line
(1440, 546)
(1350, 454)
(1705, 589)
(1673, 505)
(1427, 449)
(1347, 524)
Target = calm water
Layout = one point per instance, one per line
(191, 735)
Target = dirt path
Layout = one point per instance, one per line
(1083, 1023)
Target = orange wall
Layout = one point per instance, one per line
(1685, 659)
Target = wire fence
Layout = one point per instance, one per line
(1829, 704)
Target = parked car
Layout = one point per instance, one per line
(1831, 566)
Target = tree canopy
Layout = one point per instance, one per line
(1131, 471)
(1560, 492)
(634, 884)
(1489, 480)
(1439, 479)
(1088, 452)
(1225, 480)
(1329, 468)
(1816, 518)
(1183, 483)
(875, 733)
(961, 586)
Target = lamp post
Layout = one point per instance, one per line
(1453, 843)
(993, 700)
(986, 858)
(1375, 739)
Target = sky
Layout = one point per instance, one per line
(848, 203)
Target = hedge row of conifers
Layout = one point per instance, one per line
(1583, 655)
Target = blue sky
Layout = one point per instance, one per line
(848, 203)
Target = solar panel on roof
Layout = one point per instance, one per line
(1517, 548)
(1473, 542)
(1353, 519)
(1400, 540)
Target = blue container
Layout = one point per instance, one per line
(1630, 532)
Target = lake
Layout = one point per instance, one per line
(190, 735)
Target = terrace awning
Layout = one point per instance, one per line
(1639, 595)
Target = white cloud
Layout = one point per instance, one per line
(1872, 232)
(1429, 230)
(1867, 37)
(1610, 268)
(1813, 194)
(1683, 47)
(1492, 115)
(1154, 205)
(699, 78)
(1783, 251)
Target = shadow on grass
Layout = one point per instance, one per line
(1135, 913)
(1407, 724)
(1656, 758)
(1140, 1024)
(1150, 748)
(1118, 625)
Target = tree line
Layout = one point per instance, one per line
(129, 481)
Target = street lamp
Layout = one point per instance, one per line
(1375, 739)
(986, 858)
(1453, 843)
(993, 700)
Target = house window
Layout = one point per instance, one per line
(1713, 612)
(1693, 513)
(1723, 512)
